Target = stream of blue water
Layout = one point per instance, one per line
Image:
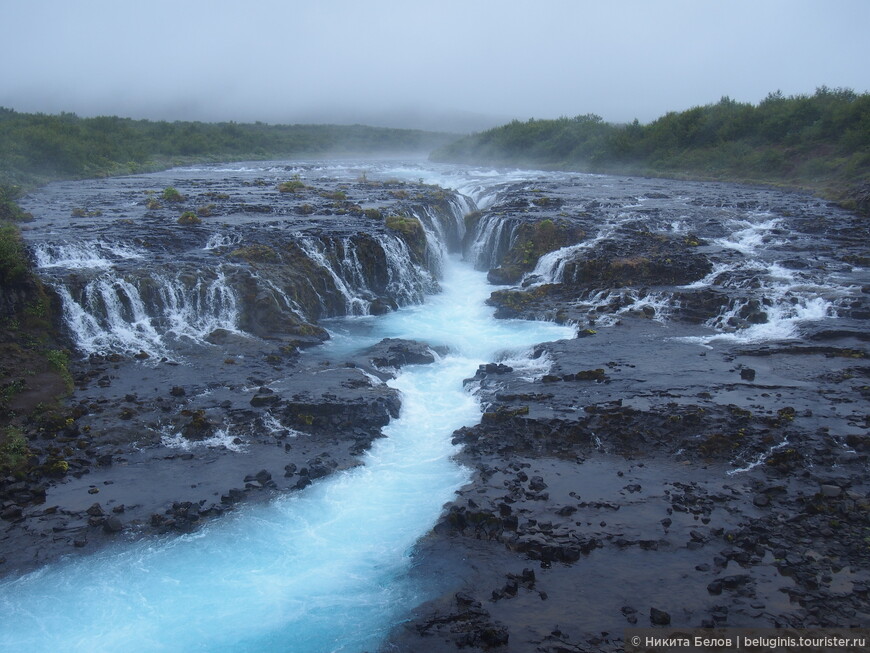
(324, 569)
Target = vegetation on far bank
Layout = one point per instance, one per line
(36, 148)
(818, 142)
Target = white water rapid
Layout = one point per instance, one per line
(319, 570)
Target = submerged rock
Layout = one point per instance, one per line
(397, 352)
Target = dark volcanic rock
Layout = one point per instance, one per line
(113, 525)
(638, 258)
(198, 425)
(659, 617)
(531, 240)
(396, 352)
(261, 400)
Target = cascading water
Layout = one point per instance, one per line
(321, 570)
(324, 569)
(491, 239)
(111, 313)
(550, 268)
(87, 255)
(782, 299)
(356, 299)
(407, 282)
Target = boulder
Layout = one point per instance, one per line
(396, 352)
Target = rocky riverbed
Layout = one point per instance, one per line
(697, 455)
(659, 473)
(194, 389)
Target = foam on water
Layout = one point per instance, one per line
(323, 569)
(111, 313)
(219, 240)
(273, 425)
(221, 438)
(86, 255)
(758, 459)
(746, 236)
(783, 321)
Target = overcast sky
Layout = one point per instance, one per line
(413, 61)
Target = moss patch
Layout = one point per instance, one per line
(13, 449)
(189, 218)
(256, 253)
(171, 194)
(533, 240)
(290, 186)
(412, 233)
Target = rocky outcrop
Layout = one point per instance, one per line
(206, 373)
(637, 258)
(531, 240)
(398, 352)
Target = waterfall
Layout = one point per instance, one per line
(323, 569)
(408, 282)
(356, 299)
(86, 255)
(550, 267)
(125, 309)
(492, 237)
(120, 314)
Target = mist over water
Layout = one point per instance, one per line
(320, 570)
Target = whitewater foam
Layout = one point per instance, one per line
(320, 570)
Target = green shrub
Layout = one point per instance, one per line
(59, 361)
(291, 186)
(337, 195)
(189, 218)
(13, 449)
(13, 261)
(170, 194)
(9, 209)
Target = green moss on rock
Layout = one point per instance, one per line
(13, 449)
(412, 233)
(533, 240)
(171, 194)
(256, 253)
(189, 218)
(290, 186)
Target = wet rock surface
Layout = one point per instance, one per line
(398, 352)
(696, 456)
(716, 501)
(196, 390)
(645, 473)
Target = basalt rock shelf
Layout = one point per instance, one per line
(685, 442)
(189, 299)
(696, 457)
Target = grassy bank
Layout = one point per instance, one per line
(39, 148)
(34, 366)
(818, 142)
(36, 148)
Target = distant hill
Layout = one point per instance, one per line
(35, 148)
(818, 142)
